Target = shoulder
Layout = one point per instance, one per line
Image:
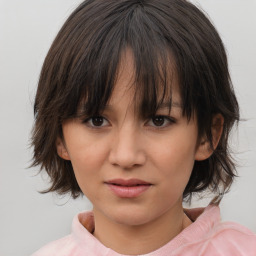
(79, 242)
(230, 237)
(62, 247)
(208, 235)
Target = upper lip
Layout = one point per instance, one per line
(129, 182)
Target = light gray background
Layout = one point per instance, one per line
(28, 219)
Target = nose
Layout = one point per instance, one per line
(127, 149)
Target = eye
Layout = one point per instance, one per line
(96, 121)
(160, 121)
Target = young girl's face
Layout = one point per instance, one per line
(134, 171)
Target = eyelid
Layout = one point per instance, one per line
(171, 120)
(86, 122)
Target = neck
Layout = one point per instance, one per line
(139, 239)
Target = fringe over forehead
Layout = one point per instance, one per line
(84, 58)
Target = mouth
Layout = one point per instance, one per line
(128, 188)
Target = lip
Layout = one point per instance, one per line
(128, 188)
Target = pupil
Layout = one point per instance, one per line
(97, 121)
(158, 121)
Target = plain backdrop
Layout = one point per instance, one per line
(28, 219)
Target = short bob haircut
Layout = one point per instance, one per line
(81, 67)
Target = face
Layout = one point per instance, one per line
(132, 170)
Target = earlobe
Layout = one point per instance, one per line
(61, 149)
(205, 149)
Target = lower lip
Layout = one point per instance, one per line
(128, 192)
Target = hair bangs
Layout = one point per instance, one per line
(154, 65)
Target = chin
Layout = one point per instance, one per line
(132, 217)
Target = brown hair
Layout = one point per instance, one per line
(83, 61)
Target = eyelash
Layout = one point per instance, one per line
(88, 120)
(168, 119)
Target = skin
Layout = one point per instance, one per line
(125, 146)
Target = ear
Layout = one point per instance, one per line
(61, 149)
(204, 149)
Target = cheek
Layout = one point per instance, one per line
(175, 168)
(175, 158)
(87, 157)
(83, 149)
(87, 164)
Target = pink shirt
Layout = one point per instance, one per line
(206, 236)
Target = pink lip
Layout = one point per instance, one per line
(128, 188)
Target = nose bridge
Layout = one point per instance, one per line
(127, 149)
(126, 138)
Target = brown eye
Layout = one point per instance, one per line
(161, 121)
(158, 120)
(97, 121)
